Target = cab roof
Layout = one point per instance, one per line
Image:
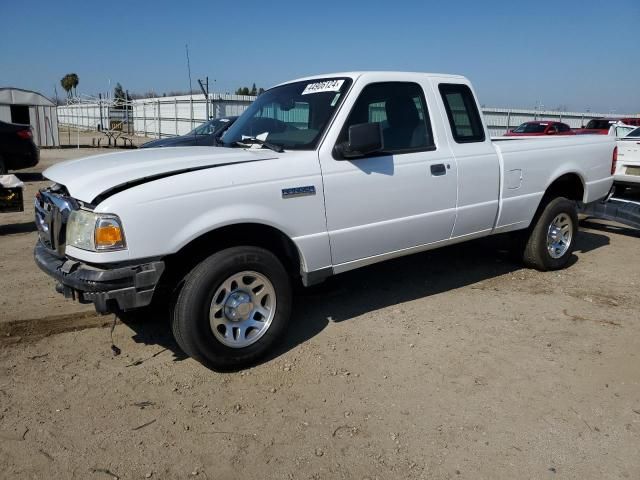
(378, 73)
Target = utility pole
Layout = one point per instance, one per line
(204, 86)
(100, 106)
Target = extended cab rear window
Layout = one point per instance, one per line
(462, 112)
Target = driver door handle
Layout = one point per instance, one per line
(438, 169)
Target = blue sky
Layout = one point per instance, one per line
(582, 54)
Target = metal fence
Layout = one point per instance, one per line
(152, 117)
(169, 116)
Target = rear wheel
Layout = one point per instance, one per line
(232, 308)
(552, 237)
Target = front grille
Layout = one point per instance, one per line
(52, 210)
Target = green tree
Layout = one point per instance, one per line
(118, 92)
(245, 90)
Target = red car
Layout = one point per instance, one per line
(540, 128)
(600, 126)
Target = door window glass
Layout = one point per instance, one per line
(401, 111)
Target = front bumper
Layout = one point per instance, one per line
(110, 289)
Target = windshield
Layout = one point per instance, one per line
(292, 116)
(599, 124)
(210, 127)
(531, 128)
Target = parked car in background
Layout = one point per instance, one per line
(620, 129)
(627, 172)
(601, 126)
(631, 121)
(537, 128)
(204, 135)
(17, 148)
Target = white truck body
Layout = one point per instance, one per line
(363, 178)
(490, 187)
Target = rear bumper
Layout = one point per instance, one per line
(110, 290)
(18, 161)
(628, 180)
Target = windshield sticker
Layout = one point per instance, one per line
(326, 86)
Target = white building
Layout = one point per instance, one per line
(31, 108)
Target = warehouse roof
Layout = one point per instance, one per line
(19, 96)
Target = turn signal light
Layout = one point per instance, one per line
(109, 236)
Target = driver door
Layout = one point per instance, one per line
(404, 197)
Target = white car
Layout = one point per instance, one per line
(627, 172)
(621, 129)
(319, 176)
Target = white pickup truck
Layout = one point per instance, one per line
(319, 176)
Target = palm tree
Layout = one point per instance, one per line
(70, 81)
(75, 81)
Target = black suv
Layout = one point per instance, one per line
(17, 149)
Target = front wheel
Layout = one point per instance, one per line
(552, 237)
(232, 308)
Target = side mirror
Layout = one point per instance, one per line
(364, 139)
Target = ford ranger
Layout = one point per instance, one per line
(319, 176)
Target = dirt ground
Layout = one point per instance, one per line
(72, 137)
(455, 363)
(18, 272)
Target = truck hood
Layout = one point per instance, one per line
(96, 176)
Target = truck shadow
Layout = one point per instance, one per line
(353, 294)
(12, 228)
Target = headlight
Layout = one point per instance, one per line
(95, 231)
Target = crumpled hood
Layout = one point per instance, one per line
(87, 178)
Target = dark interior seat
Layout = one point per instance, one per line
(405, 129)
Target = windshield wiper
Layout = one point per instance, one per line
(249, 140)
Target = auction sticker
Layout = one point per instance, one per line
(326, 86)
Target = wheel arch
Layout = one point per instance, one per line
(570, 185)
(246, 233)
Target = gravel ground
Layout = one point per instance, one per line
(25, 292)
(454, 363)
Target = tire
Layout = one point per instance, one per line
(232, 308)
(541, 251)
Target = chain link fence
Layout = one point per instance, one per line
(169, 116)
